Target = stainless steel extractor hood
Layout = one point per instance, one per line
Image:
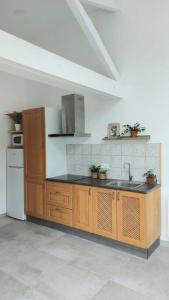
(73, 117)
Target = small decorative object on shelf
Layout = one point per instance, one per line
(151, 178)
(113, 130)
(17, 118)
(133, 130)
(94, 171)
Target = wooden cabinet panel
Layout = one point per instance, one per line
(59, 215)
(82, 208)
(131, 218)
(104, 212)
(59, 194)
(34, 198)
(34, 143)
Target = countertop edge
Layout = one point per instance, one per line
(149, 190)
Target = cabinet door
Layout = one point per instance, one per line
(131, 216)
(82, 208)
(34, 143)
(34, 192)
(104, 212)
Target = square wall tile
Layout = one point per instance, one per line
(70, 149)
(139, 149)
(116, 161)
(139, 162)
(128, 149)
(115, 149)
(86, 149)
(153, 150)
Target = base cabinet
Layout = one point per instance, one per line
(82, 208)
(104, 212)
(34, 195)
(128, 217)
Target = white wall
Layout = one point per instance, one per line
(137, 38)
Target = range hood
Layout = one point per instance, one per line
(73, 117)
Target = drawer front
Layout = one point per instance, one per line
(59, 215)
(59, 195)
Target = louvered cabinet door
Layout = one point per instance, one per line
(131, 214)
(104, 212)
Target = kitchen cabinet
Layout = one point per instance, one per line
(34, 161)
(59, 203)
(131, 211)
(104, 212)
(128, 217)
(82, 208)
(34, 191)
(138, 218)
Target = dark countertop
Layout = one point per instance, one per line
(84, 180)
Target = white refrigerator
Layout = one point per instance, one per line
(15, 184)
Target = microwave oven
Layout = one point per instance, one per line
(17, 140)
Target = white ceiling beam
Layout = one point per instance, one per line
(93, 37)
(29, 61)
(109, 5)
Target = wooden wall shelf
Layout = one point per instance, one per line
(116, 138)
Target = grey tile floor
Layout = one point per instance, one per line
(38, 263)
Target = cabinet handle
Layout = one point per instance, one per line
(118, 196)
(113, 195)
(90, 192)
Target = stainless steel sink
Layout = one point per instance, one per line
(125, 184)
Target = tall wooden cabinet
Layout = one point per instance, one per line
(34, 157)
(104, 212)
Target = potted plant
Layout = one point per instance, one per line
(103, 174)
(17, 118)
(151, 178)
(133, 130)
(94, 171)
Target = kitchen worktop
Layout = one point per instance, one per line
(84, 180)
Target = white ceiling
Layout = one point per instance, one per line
(30, 18)
(51, 25)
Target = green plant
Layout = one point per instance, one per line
(16, 117)
(94, 168)
(136, 127)
(150, 174)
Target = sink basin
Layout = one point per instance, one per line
(125, 184)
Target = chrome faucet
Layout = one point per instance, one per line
(129, 168)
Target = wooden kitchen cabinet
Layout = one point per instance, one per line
(34, 143)
(138, 218)
(131, 213)
(128, 217)
(59, 202)
(82, 208)
(34, 161)
(104, 212)
(34, 191)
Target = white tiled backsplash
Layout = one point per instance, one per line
(142, 157)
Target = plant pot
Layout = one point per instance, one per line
(150, 181)
(102, 176)
(94, 175)
(18, 127)
(134, 134)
